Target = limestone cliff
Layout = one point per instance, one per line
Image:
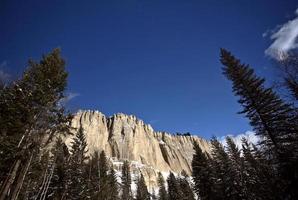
(124, 137)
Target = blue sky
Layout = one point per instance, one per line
(158, 60)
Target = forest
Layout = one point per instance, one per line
(34, 117)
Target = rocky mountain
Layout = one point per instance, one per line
(125, 137)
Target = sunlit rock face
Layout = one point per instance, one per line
(124, 137)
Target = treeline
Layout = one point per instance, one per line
(35, 162)
(33, 117)
(268, 170)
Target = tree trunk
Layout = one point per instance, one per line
(10, 180)
(21, 179)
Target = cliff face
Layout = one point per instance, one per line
(124, 137)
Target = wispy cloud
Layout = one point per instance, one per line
(4, 76)
(69, 96)
(285, 39)
(249, 135)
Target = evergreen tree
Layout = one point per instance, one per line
(258, 175)
(142, 191)
(162, 192)
(273, 120)
(126, 182)
(174, 191)
(201, 173)
(77, 183)
(237, 169)
(289, 69)
(57, 185)
(186, 189)
(113, 186)
(224, 176)
(30, 111)
(93, 176)
(104, 187)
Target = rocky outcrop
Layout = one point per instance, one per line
(124, 137)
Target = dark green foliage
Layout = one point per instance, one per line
(174, 191)
(225, 180)
(289, 69)
(104, 187)
(162, 192)
(142, 191)
(77, 182)
(258, 175)
(275, 121)
(202, 174)
(58, 183)
(126, 182)
(102, 182)
(93, 176)
(30, 112)
(236, 165)
(186, 189)
(113, 186)
(272, 119)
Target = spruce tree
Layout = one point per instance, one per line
(162, 192)
(103, 177)
(275, 121)
(289, 69)
(57, 185)
(223, 174)
(29, 111)
(237, 169)
(258, 175)
(186, 189)
(93, 176)
(142, 191)
(113, 186)
(126, 182)
(174, 191)
(202, 174)
(77, 183)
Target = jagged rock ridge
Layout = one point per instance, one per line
(124, 137)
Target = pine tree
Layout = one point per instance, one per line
(201, 173)
(103, 177)
(126, 182)
(186, 189)
(273, 120)
(289, 69)
(237, 169)
(223, 174)
(174, 191)
(29, 111)
(93, 176)
(77, 183)
(162, 192)
(57, 185)
(142, 191)
(113, 186)
(258, 175)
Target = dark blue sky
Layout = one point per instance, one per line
(158, 60)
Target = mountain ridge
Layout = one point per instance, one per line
(126, 137)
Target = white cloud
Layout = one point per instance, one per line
(3, 75)
(69, 96)
(249, 135)
(284, 39)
